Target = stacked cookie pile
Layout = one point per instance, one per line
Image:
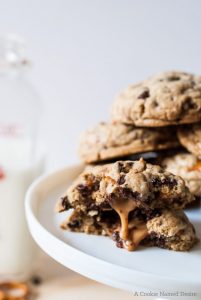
(133, 201)
(187, 164)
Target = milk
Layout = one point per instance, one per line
(18, 168)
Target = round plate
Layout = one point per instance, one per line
(97, 257)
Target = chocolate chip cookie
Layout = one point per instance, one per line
(190, 137)
(149, 186)
(166, 228)
(165, 99)
(171, 230)
(110, 140)
(188, 166)
(126, 188)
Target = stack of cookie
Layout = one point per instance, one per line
(134, 201)
(149, 117)
(187, 164)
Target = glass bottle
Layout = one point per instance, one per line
(20, 160)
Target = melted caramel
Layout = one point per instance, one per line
(131, 233)
(123, 208)
(196, 167)
(136, 235)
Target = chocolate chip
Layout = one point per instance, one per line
(110, 217)
(125, 167)
(171, 182)
(65, 203)
(189, 104)
(150, 214)
(157, 182)
(129, 164)
(104, 205)
(155, 103)
(36, 280)
(137, 213)
(173, 78)
(160, 242)
(83, 190)
(156, 240)
(115, 236)
(111, 197)
(127, 193)
(120, 166)
(121, 180)
(74, 224)
(119, 244)
(145, 94)
(117, 239)
(96, 186)
(91, 185)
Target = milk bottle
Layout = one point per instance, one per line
(20, 159)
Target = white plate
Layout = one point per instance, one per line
(147, 269)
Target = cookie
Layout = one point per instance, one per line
(125, 187)
(165, 99)
(190, 137)
(188, 166)
(111, 140)
(101, 223)
(149, 186)
(169, 229)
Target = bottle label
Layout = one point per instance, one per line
(2, 173)
(11, 130)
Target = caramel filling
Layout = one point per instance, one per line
(131, 234)
(123, 208)
(196, 167)
(136, 235)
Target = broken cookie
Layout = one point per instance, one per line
(121, 190)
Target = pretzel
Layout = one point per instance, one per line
(7, 291)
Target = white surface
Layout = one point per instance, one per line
(84, 52)
(60, 283)
(97, 257)
(76, 287)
